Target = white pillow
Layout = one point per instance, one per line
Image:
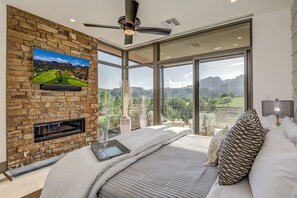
(274, 171)
(268, 122)
(214, 147)
(290, 128)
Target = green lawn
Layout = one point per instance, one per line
(67, 73)
(45, 77)
(236, 102)
(77, 83)
(53, 77)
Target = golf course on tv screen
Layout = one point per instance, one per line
(54, 68)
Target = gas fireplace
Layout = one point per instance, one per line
(57, 129)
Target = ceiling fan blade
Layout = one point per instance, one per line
(102, 26)
(128, 39)
(150, 30)
(131, 7)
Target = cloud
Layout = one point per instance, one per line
(188, 75)
(78, 63)
(42, 58)
(237, 64)
(59, 60)
(175, 84)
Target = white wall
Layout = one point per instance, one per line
(272, 62)
(2, 82)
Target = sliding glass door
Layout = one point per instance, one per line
(177, 94)
(221, 93)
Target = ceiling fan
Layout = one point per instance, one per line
(131, 24)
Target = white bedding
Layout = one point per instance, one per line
(241, 189)
(79, 174)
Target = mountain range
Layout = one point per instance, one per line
(55, 64)
(209, 87)
(215, 86)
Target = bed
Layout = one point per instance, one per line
(169, 162)
(175, 170)
(163, 162)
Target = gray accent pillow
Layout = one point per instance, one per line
(214, 147)
(240, 148)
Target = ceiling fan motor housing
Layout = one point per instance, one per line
(122, 22)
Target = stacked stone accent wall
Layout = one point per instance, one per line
(27, 104)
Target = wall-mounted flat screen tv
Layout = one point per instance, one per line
(59, 69)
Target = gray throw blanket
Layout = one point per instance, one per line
(80, 174)
(175, 170)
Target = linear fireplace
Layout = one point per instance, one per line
(53, 130)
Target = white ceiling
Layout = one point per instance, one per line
(192, 14)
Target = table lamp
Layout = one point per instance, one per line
(279, 108)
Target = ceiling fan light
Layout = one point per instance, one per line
(129, 30)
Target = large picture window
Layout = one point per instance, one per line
(109, 83)
(226, 38)
(202, 81)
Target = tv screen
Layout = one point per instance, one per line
(54, 68)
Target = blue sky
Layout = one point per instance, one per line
(109, 77)
(174, 77)
(44, 55)
(177, 77)
(225, 69)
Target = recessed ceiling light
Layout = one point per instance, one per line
(239, 37)
(235, 44)
(72, 20)
(233, 1)
(162, 53)
(168, 57)
(194, 45)
(218, 48)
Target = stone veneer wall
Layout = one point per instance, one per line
(294, 52)
(27, 104)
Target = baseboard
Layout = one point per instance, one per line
(11, 174)
(2, 167)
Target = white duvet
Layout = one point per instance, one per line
(80, 174)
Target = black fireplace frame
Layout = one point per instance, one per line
(53, 130)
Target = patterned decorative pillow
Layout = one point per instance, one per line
(214, 147)
(240, 148)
